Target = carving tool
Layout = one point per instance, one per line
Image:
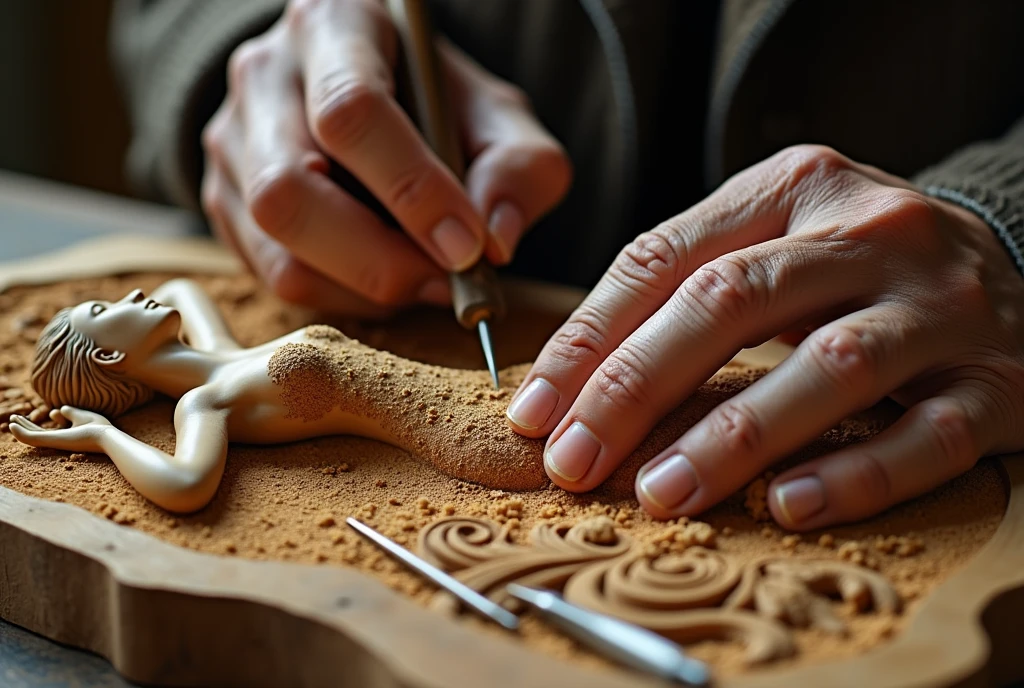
(476, 294)
(629, 644)
(470, 597)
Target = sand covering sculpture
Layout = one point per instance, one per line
(287, 501)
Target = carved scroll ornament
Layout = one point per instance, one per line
(690, 596)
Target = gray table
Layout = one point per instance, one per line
(36, 217)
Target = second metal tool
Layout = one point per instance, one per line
(476, 294)
(631, 645)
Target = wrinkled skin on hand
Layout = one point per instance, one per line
(319, 86)
(903, 295)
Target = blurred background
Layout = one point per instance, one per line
(62, 116)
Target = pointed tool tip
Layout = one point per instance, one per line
(485, 344)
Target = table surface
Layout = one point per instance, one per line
(38, 216)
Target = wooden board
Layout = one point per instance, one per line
(171, 616)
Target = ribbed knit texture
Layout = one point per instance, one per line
(987, 178)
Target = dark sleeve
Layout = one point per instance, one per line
(987, 178)
(170, 57)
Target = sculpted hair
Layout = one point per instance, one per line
(65, 372)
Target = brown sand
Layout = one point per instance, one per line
(288, 502)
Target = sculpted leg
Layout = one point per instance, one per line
(452, 418)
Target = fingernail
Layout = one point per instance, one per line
(534, 406)
(670, 483)
(506, 226)
(435, 291)
(801, 498)
(574, 452)
(457, 244)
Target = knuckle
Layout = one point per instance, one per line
(581, 340)
(214, 135)
(553, 169)
(290, 281)
(249, 58)
(345, 110)
(299, 12)
(737, 428)
(275, 199)
(382, 285)
(211, 199)
(725, 289)
(951, 428)
(806, 164)
(869, 479)
(416, 188)
(654, 262)
(844, 354)
(808, 159)
(622, 379)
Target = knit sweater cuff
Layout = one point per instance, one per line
(987, 179)
(166, 152)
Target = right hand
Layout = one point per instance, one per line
(319, 85)
(83, 436)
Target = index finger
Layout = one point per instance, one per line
(347, 63)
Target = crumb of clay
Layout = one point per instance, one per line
(325, 520)
(789, 542)
(901, 545)
(856, 553)
(756, 501)
(826, 540)
(679, 537)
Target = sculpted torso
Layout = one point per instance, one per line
(99, 359)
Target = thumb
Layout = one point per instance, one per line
(518, 171)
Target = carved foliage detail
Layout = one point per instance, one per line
(698, 594)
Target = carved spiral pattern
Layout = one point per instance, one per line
(454, 544)
(696, 595)
(671, 595)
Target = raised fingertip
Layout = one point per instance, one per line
(505, 228)
(570, 457)
(532, 407)
(798, 503)
(457, 244)
(668, 485)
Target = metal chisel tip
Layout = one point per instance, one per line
(485, 343)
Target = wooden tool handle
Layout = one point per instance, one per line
(476, 293)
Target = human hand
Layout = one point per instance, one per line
(907, 296)
(319, 85)
(83, 436)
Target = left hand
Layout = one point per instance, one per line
(907, 296)
(83, 436)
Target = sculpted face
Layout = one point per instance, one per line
(131, 328)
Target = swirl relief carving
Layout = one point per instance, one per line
(690, 596)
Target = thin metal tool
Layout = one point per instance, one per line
(476, 294)
(631, 645)
(485, 340)
(470, 597)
